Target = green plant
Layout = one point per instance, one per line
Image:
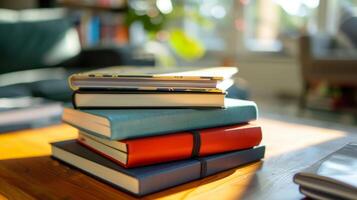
(155, 22)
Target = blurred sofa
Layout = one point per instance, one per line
(36, 39)
(321, 61)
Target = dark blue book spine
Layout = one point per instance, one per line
(217, 164)
(177, 176)
(208, 166)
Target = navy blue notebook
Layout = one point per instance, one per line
(119, 124)
(145, 180)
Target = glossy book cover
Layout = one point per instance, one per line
(175, 146)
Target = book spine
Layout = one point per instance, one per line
(217, 164)
(93, 31)
(179, 175)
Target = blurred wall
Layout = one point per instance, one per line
(271, 77)
(267, 76)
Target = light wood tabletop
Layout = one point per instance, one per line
(28, 172)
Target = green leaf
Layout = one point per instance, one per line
(185, 46)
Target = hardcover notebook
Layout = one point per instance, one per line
(216, 79)
(175, 146)
(149, 179)
(334, 177)
(117, 99)
(122, 124)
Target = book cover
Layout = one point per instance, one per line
(176, 146)
(122, 124)
(145, 180)
(126, 77)
(146, 99)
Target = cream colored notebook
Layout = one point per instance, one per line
(214, 79)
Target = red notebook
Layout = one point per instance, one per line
(175, 146)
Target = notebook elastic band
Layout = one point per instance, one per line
(196, 143)
(203, 172)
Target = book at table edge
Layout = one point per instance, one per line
(146, 180)
(332, 174)
(175, 146)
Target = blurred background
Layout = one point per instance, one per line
(296, 57)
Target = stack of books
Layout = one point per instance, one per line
(139, 134)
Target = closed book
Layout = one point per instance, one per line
(215, 79)
(125, 99)
(316, 194)
(119, 124)
(153, 178)
(176, 146)
(333, 177)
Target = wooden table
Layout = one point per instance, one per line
(28, 172)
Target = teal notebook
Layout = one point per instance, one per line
(119, 124)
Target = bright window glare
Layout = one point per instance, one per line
(218, 12)
(312, 3)
(204, 9)
(165, 6)
(296, 7)
(292, 7)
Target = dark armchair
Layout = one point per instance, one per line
(320, 61)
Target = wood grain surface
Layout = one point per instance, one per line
(28, 172)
